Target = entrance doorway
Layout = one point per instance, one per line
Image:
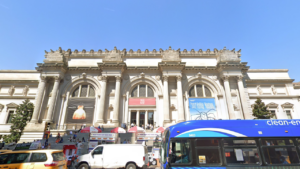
(142, 118)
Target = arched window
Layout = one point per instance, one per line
(84, 91)
(199, 91)
(142, 90)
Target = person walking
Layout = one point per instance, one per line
(79, 148)
(83, 140)
(74, 137)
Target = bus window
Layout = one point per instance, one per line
(180, 151)
(208, 151)
(280, 151)
(241, 151)
(281, 142)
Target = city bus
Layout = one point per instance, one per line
(232, 144)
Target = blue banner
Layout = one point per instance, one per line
(202, 109)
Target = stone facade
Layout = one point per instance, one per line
(123, 82)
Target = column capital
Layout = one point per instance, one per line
(102, 78)
(63, 96)
(226, 78)
(118, 78)
(240, 78)
(57, 78)
(165, 78)
(178, 77)
(43, 78)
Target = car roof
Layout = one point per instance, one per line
(122, 145)
(28, 151)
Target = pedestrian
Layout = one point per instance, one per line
(71, 132)
(83, 140)
(132, 125)
(49, 146)
(125, 142)
(79, 148)
(74, 137)
(70, 139)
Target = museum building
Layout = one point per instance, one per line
(159, 87)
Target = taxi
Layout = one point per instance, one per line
(33, 159)
(4, 151)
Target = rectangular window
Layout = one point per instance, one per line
(280, 155)
(180, 152)
(14, 158)
(288, 114)
(142, 119)
(273, 114)
(133, 118)
(9, 117)
(208, 152)
(150, 117)
(241, 151)
(241, 156)
(277, 142)
(38, 157)
(279, 151)
(98, 150)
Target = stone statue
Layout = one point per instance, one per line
(11, 90)
(259, 90)
(25, 90)
(274, 91)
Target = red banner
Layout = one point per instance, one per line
(141, 102)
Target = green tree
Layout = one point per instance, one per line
(19, 121)
(260, 110)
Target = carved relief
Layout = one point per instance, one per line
(260, 92)
(239, 78)
(157, 77)
(178, 77)
(102, 78)
(113, 56)
(83, 75)
(171, 55)
(199, 75)
(236, 108)
(165, 78)
(213, 77)
(1, 107)
(54, 56)
(287, 105)
(142, 75)
(25, 90)
(274, 91)
(11, 90)
(228, 56)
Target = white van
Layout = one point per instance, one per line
(129, 156)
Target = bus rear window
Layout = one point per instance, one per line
(58, 156)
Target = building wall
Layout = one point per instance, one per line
(233, 85)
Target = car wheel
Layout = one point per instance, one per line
(153, 162)
(83, 166)
(130, 166)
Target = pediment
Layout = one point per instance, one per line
(12, 105)
(272, 104)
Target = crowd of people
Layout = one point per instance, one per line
(146, 127)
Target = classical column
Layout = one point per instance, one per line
(228, 97)
(243, 97)
(166, 101)
(117, 100)
(146, 118)
(63, 97)
(63, 116)
(102, 99)
(138, 118)
(53, 99)
(180, 100)
(39, 99)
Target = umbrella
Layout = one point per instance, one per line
(136, 129)
(159, 130)
(118, 130)
(90, 130)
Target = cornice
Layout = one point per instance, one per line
(19, 81)
(200, 68)
(18, 71)
(269, 80)
(167, 65)
(84, 68)
(268, 70)
(274, 96)
(142, 68)
(17, 97)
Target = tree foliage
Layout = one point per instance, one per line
(19, 121)
(260, 110)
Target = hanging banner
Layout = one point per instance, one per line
(80, 110)
(142, 101)
(202, 109)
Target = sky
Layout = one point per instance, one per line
(268, 31)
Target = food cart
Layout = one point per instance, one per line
(102, 138)
(152, 140)
(70, 153)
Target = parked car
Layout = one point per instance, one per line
(129, 156)
(33, 159)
